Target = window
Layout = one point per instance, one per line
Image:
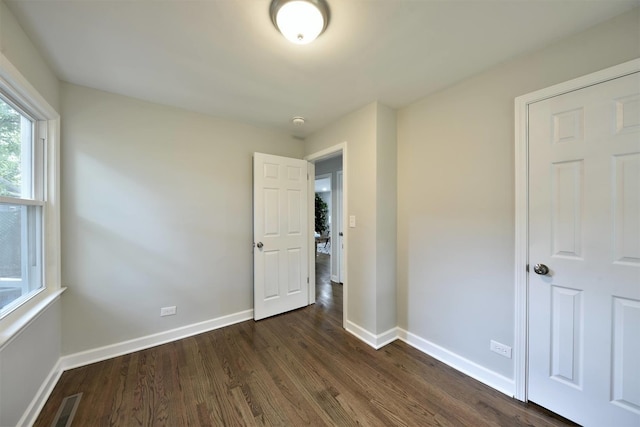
(22, 204)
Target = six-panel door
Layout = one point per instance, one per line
(280, 234)
(584, 216)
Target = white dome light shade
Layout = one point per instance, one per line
(300, 21)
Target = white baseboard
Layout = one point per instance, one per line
(375, 341)
(466, 366)
(33, 410)
(107, 352)
(387, 337)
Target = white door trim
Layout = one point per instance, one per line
(522, 207)
(311, 207)
(339, 226)
(314, 157)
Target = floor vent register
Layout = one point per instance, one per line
(67, 411)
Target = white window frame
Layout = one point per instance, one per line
(47, 124)
(32, 159)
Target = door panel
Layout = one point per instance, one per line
(566, 208)
(280, 234)
(566, 335)
(626, 353)
(626, 208)
(584, 225)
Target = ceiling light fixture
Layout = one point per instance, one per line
(300, 21)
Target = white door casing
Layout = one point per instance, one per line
(339, 226)
(341, 148)
(311, 247)
(280, 219)
(584, 225)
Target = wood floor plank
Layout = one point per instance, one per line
(299, 368)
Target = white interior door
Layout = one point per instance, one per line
(584, 226)
(280, 254)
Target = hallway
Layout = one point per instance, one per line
(328, 293)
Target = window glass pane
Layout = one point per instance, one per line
(16, 137)
(20, 252)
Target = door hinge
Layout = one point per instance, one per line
(527, 268)
(307, 280)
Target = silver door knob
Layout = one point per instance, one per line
(541, 269)
(259, 245)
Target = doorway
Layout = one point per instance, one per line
(324, 230)
(329, 246)
(324, 210)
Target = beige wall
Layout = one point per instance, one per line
(456, 193)
(358, 130)
(386, 207)
(157, 211)
(26, 362)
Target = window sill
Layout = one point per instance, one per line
(21, 317)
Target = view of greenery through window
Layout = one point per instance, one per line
(9, 151)
(10, 214)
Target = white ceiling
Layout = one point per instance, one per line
(224, 57)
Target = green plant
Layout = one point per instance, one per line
(10, 147)
(321, 215)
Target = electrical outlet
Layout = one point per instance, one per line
(168, 311)
(501, 349)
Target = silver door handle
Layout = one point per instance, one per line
(259, 245)
(541, 269)
(340, 234)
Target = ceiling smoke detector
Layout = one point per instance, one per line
(298, 121)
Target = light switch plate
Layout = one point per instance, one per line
(352, 221)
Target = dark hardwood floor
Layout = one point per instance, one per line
(298, 368)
